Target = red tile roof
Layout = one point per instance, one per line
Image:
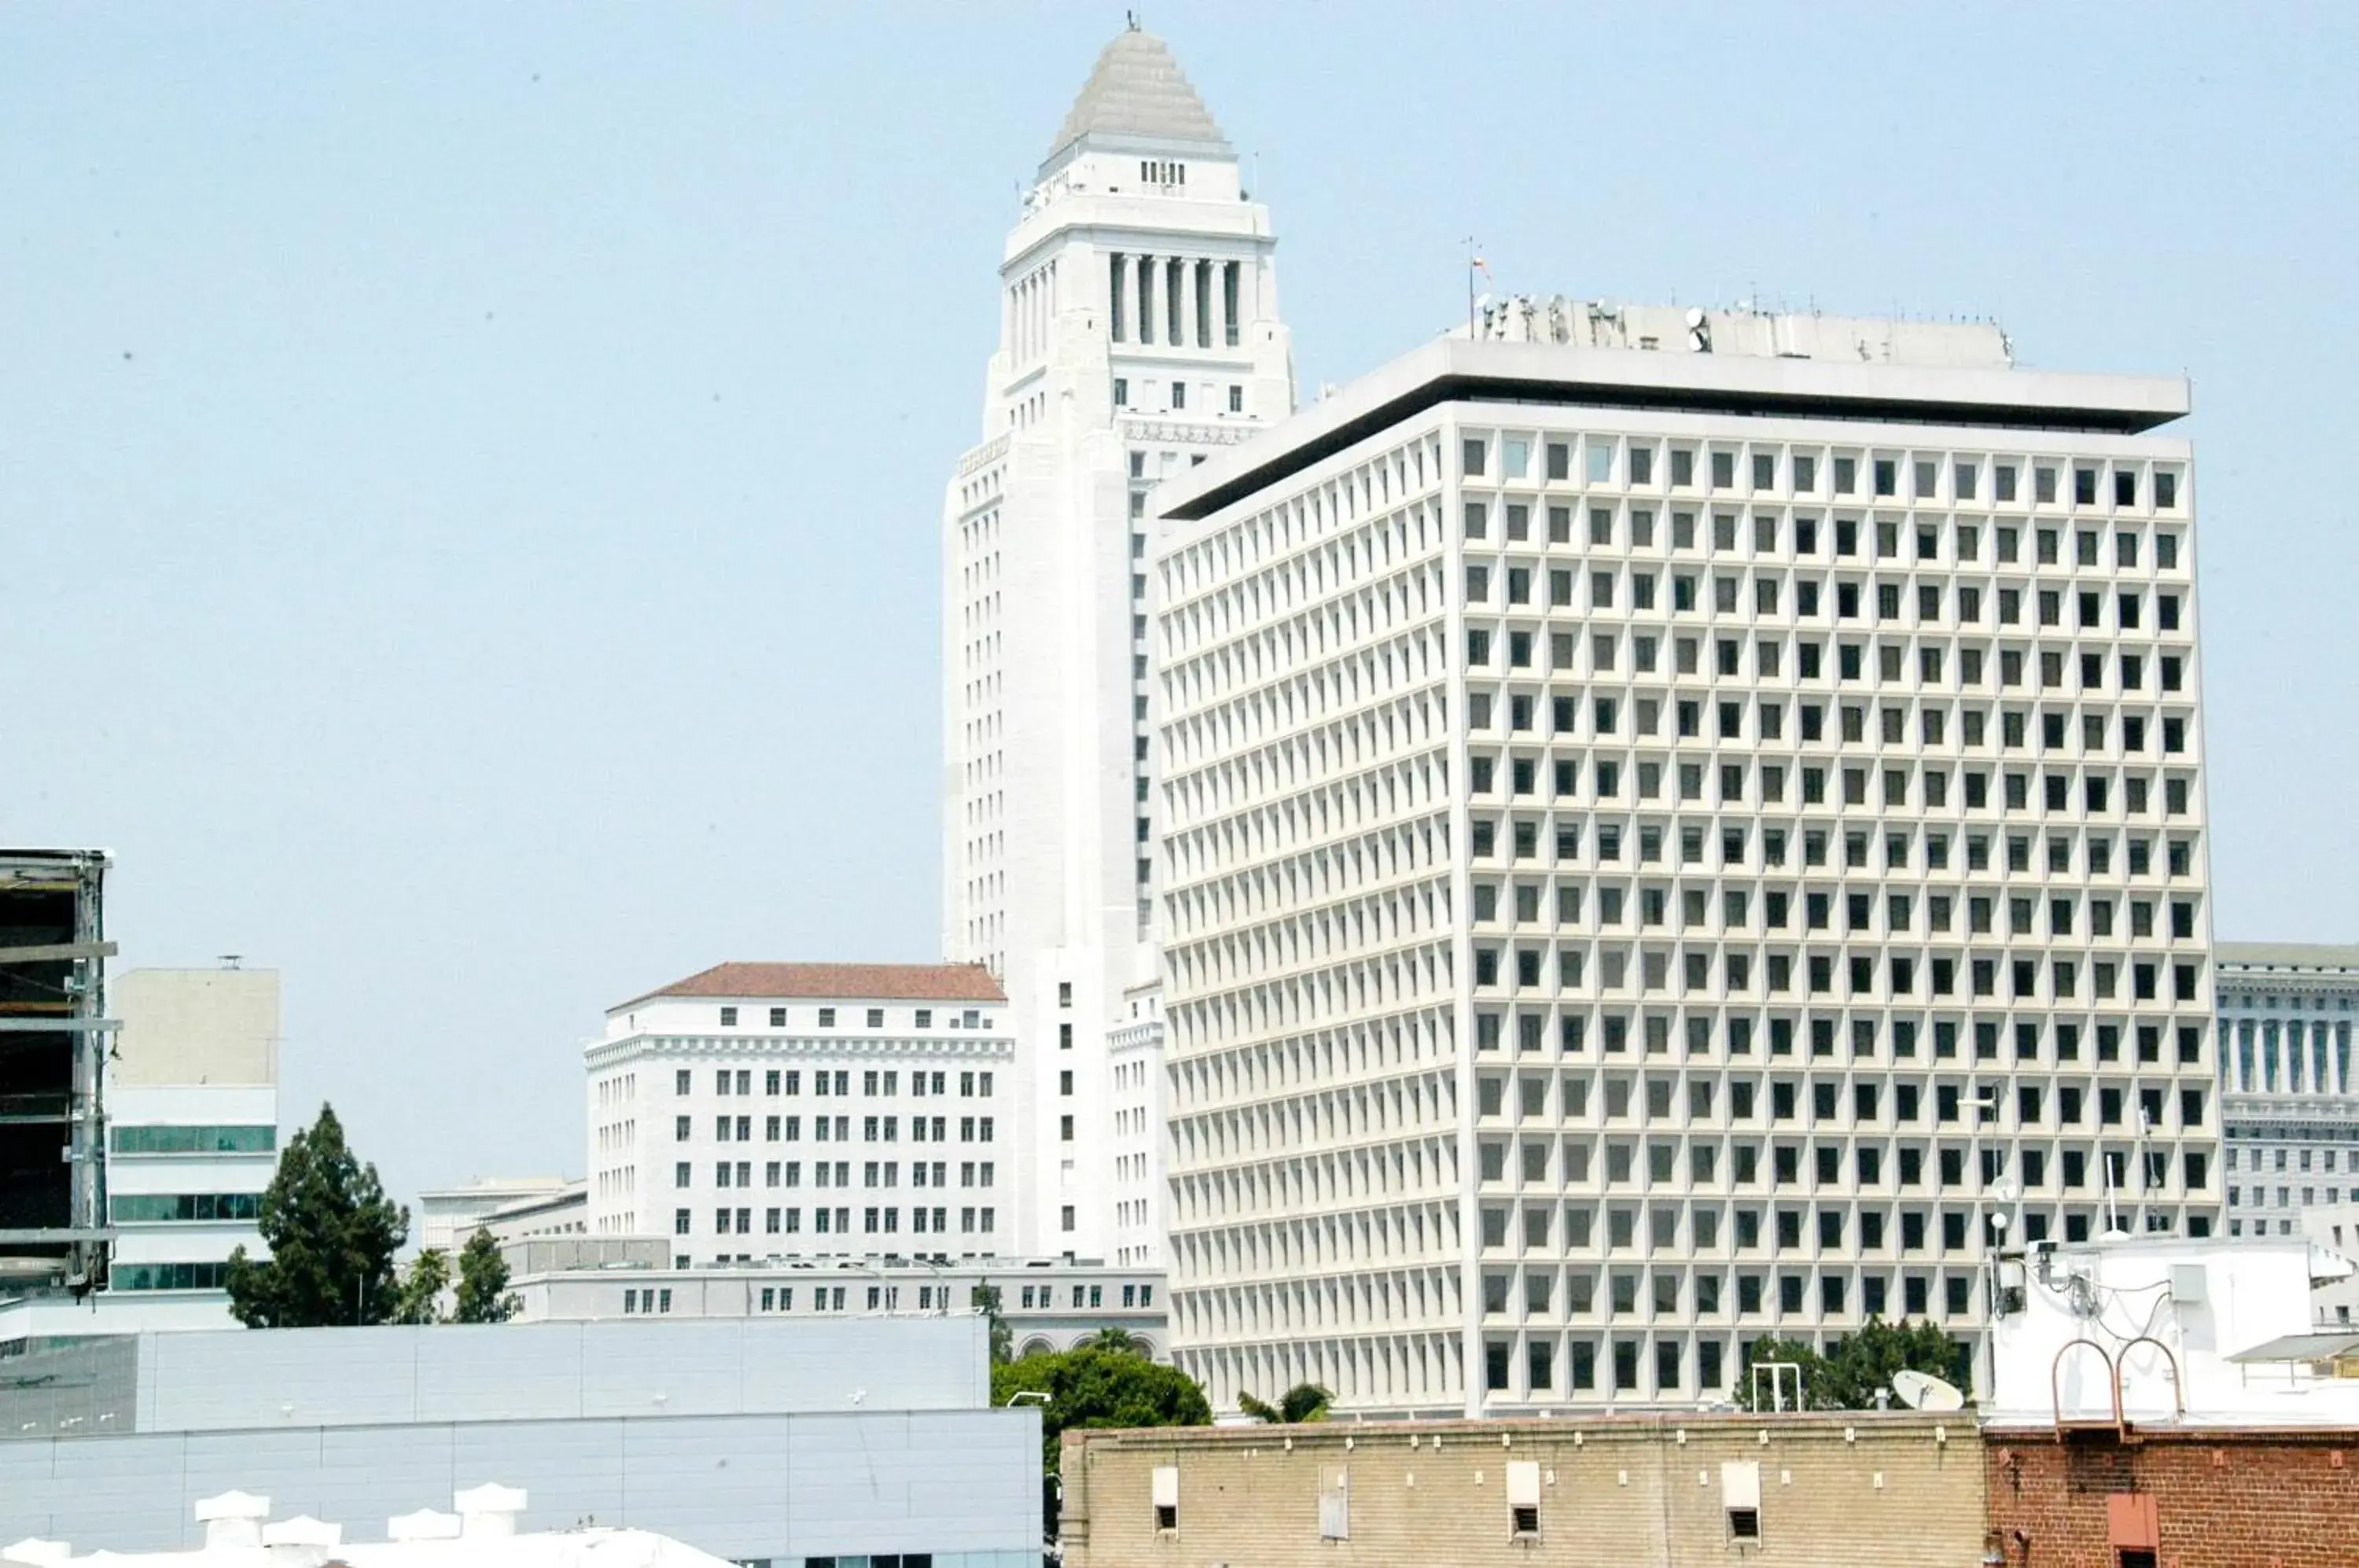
(855, 982)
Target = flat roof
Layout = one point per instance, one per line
(1457, 370)
(2287, 955)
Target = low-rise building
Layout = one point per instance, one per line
(758, 1442)
(447, 1217)
(756, 1110)
(1047, 1303)
(1891, 1489)
(2168, 1401)
(2153, 1400)
(2290, 1112)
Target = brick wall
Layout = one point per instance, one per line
(2222, 1498)
(1872, 1490)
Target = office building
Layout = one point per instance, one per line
(2290, 1114)
(1047, 1303)
(1674, 827)
(1141, 1174)
(753, 1441)
(1138, 331)
(791, 1110)
(192, 1141)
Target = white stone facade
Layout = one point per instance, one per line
(1139, 331)
(1663, 847)
(1047, 1303)
(2289, 1107)
(1141, 1172)
(778, 1110)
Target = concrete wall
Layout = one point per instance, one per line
(964, 1485)
(1891, 1491)
(2221, 1499)
(195, 1026)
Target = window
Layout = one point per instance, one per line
(728, 1018)
(1165, 1482)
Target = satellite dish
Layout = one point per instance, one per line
(1695, 316)
(1923, 1391)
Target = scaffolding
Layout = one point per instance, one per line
(54, 1040)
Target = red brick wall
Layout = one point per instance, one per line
(2226, 1499)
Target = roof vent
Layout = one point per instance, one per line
(488, 1511)
(302, 1530)
(426, 1524)
(35, 1551)
(232, 1518)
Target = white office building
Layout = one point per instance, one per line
(448, 1216)
(192, 1099)
(1141, 1172)
(2290, 1114)
(782, 1110)
(1672, 829)
(1139, 331)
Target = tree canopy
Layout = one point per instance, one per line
(985, 1299)
(1094, 1386)
(418, 1300)
(332, 1233)
(1303, 1402)
(483, 1295)
(1848, 1375)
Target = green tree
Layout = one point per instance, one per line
(1862, 1362)
(420, 1298)
(1091, 1387)
(483, 1282)
(1120, 1339)
(1303, 1402)
(986, 1300)
(332, 1234)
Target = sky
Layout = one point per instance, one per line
(471, 477)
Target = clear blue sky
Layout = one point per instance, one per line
(470, 474)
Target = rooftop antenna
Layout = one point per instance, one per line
(1473, 262)
(232, 960)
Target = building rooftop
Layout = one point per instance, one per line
(1138, 91)
(1795, 367)
(857, 982)
(2284, 955)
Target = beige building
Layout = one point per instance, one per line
(1849, 1488)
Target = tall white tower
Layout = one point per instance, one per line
(1138, 331)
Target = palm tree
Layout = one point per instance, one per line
(1120, 1339)
(1303, 1402)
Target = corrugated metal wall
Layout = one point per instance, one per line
(964, 1486)
(334, 1377)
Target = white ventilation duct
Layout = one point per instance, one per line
(36, 1551)
(302, 1530)
(232, 1518)
(426, 1524)
(488, 1511)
